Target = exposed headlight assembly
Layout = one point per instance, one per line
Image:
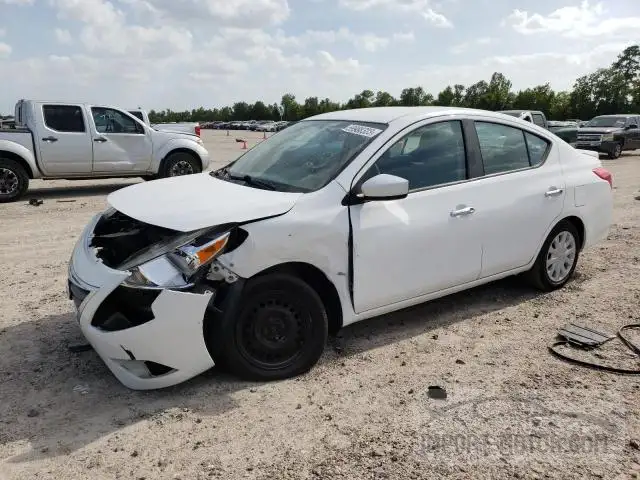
(174, 263)
(607, 137)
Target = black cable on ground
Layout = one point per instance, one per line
(626, 342)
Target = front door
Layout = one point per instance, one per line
(120, 143)
(425, 242)
(62, 139)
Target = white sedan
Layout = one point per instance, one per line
(341, 217)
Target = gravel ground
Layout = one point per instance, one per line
(512, 409)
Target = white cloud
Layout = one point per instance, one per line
(463, 47)
(63, 36)
(585, 20)
(334, 67)
(424, 7)
(17, 2)
(5, 50)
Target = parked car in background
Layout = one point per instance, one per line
(188, 127)
(80, 141)
(267, 126)
(534, 116)
(554, 125)
(610, 134)
(340, 217)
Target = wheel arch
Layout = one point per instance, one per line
(18, 159)
(317, 280)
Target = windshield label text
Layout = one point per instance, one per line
(361, 130)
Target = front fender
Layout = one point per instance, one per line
(180, 144)
(22, 152)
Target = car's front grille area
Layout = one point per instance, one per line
(117, 237)
(590, 137)
(125, 308)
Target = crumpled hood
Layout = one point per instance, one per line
(191, 202)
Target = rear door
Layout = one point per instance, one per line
(120, 143)
(62, 139)
(633, 132)
(521, 195)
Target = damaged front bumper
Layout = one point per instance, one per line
(148, 338)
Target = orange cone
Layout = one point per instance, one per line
(244, 145)
(227, 133)
(264, 136)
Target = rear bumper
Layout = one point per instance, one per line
(148, 339)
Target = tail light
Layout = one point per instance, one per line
(198, 130)
(604, 174)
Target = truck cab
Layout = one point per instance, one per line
(533, 116)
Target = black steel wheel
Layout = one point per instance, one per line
(616, 151)
(280, 329)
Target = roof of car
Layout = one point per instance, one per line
(390, 114)
(619, 115)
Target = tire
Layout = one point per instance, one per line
(179, 164)
(148, 178)
(539, 275)
(616, 152)
(14, 180)
(280, 330)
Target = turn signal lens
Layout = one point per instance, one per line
(190, 258)
(604, 174)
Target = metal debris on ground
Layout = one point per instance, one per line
(35, 202)
(81, 389)
(80, 348)
(71, 200)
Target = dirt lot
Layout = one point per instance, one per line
(512, 409)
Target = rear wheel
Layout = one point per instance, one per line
(557, 259)
(180, 163)
(14, 180)
(616, 151)
(279, 332)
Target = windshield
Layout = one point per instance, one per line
(607, 122)
(304, 157)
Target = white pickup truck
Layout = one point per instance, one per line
(79, 141)
(187, 127)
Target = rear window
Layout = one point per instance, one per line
(538, 119)
(63, 118)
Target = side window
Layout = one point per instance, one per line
(537, 148)
(428, 156)
(632, 121)
(63, 118)
(538, 119)
(138, 115)
(108, 120)
(503, 148)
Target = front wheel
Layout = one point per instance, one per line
(279, 332)
(557, 259)
(615, 152)
(14, 180)
(180, 163)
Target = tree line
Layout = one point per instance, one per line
(615, 89)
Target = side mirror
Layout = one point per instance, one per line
(385, 187)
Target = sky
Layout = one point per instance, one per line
(183, 54)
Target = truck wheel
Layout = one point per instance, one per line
(180, 163)
(616, 151)
(14, 180)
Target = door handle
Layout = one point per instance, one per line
(462, 212)
(50, 139)
(100, 139)
(553, 192)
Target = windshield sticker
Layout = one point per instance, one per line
(360, 130)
